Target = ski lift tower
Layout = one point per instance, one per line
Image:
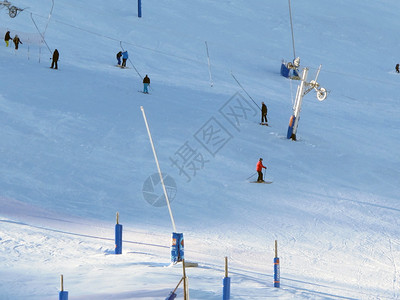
(303, 89)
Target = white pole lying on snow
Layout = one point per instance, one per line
(159, 170)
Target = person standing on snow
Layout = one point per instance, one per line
(259, 168)
(7, 38)
(56, 55)
(124, 58)
(16, 41)
(119, 54)
(146, 83)
(264, 111)
(397, 68)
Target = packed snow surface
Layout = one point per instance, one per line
(75, 149)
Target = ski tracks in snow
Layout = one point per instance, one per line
(383, 246)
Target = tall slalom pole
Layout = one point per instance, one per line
(159, 170)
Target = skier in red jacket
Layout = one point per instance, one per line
(259, 170)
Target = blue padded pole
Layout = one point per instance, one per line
(277, 277)
(118, 237)
(139, 8)
(177, 248)
(63, 295)
(227, 288)
(277, 273)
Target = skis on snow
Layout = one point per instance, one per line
(265, 182)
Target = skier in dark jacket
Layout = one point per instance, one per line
(56, 55)
(259, 168)
(397, 68)
(16, 41)
(7, 38)
(125, 56)
(146, 83)
(264, 111)
(119, 54)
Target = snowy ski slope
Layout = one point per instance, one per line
(74, 150)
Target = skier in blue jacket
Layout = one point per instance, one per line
(124, 58)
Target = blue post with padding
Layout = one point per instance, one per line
(277, 276)
(226, 292)
(62, 295)
(227, 289)
(139, 8)
(118, 237)
(277, 272)
(177, 248)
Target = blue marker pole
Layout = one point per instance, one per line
(62, 295)
(139, 8)
(118, 237)
(277, 273)
(227, 283)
